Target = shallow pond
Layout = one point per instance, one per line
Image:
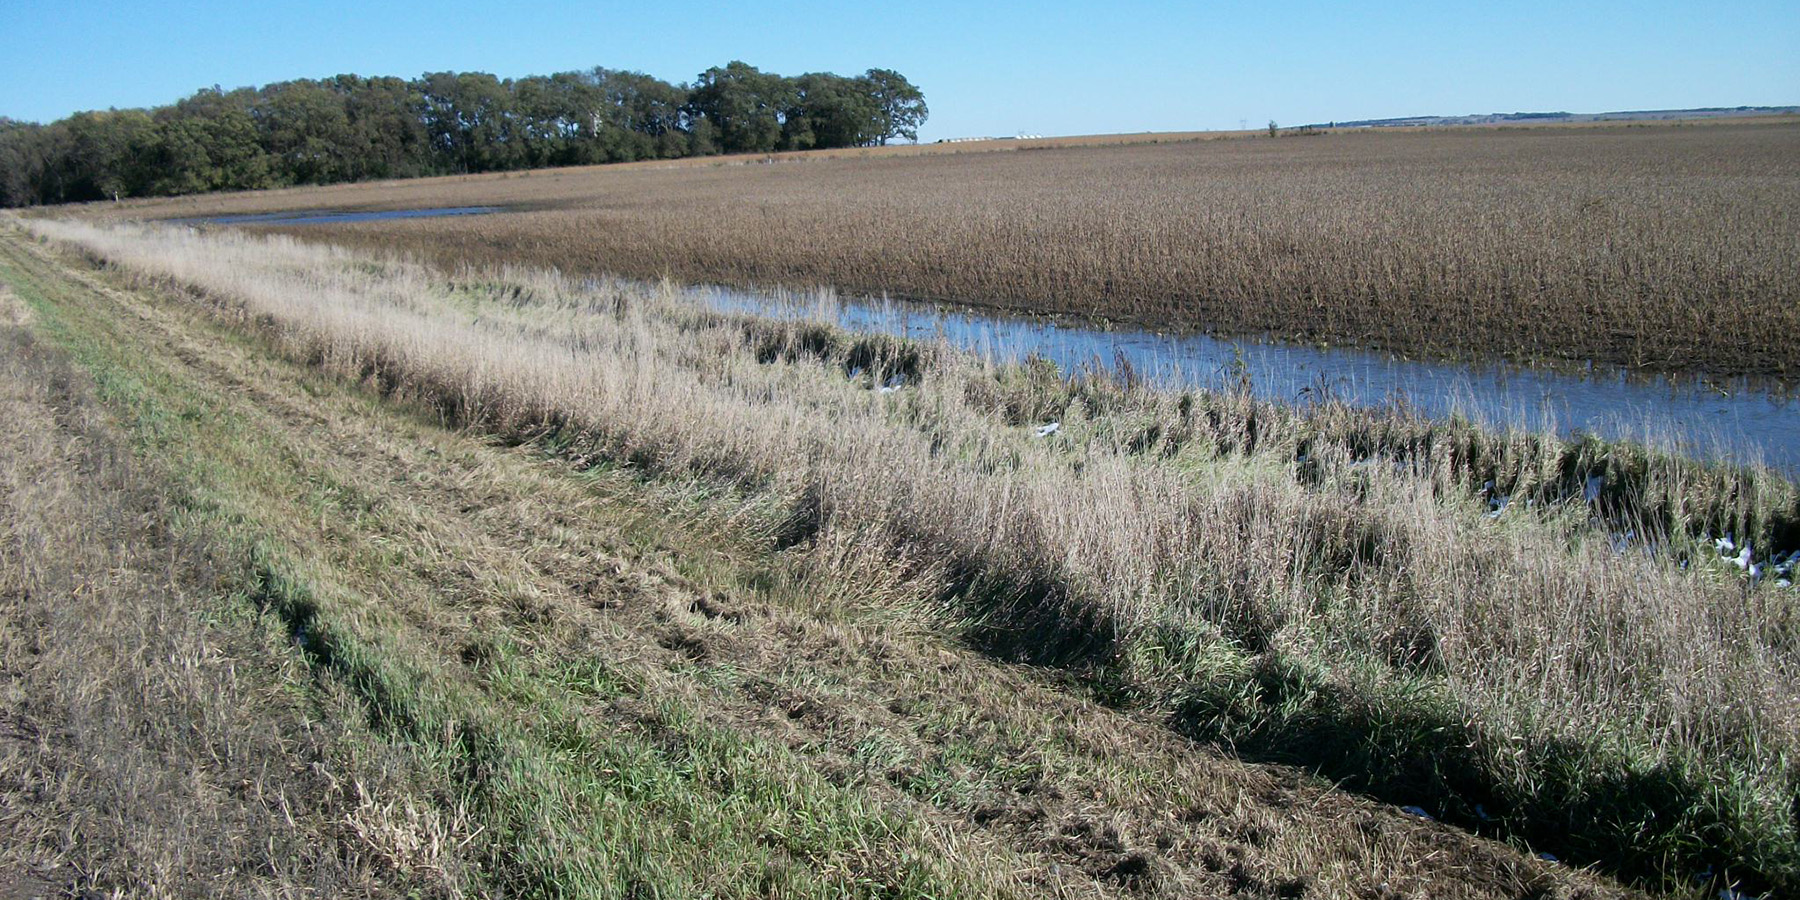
(330, 216)
(1733, 420)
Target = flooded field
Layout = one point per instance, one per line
(1732, 419)
(332, 216)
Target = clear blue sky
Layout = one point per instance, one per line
(986, 68)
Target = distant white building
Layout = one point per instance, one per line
(1021, 136)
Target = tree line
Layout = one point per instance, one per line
(351, 128)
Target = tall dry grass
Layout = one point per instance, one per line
(1275, 577)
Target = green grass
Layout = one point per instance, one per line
(568, 804)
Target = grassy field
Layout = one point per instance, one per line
(271, 629)
(829, 563)
(1666, 248)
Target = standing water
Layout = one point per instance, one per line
(331, 216)
(1736, 421)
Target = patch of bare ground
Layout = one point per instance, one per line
(491, 554)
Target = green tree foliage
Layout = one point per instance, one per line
(210, 142)
(387, 136)
(307, 129)
(745, 104)
(350, 128)
(902, 105)
(830, 111)
(548, 113)
(23, 157)
(107, 153)
(640, 117)
(470, 118)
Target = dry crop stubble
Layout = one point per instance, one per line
(1360, 608)
(1661, 249)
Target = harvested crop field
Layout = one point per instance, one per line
(1667, 248)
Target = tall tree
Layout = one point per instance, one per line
(548, 111)
(386, 128)
(645, 112)
(348, 127)
(470, 119)
(105, 156)
(745, 104)
(210, 142)
(832, 111)
(306, 128)
(22, 160)
(903, 107)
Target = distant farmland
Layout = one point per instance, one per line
(1664, 248)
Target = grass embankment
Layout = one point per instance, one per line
(400, 660)
(151, 740)
(1323, 586)
(1662, 249)
(519, 789)
(147, 741)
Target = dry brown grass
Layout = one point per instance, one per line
(1659, 248)
(600, 610)
(1524, 663)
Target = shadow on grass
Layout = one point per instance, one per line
(1658, 823)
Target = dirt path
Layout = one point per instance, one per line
(471, 545)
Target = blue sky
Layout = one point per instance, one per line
(995, 68)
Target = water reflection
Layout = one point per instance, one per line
(330, 216)
(1734, 420)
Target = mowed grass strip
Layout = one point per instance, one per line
(1255, 572)
(151, 738)
(524, 793)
